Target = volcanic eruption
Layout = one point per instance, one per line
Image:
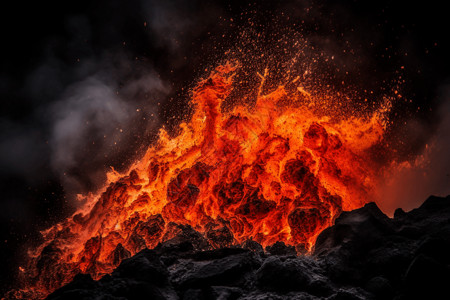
(277, 170)
(262, 184)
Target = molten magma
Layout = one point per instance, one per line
(267, 172)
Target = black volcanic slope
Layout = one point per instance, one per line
(365, 255)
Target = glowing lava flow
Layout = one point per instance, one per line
(268, 173)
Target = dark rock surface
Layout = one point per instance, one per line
(365, 255)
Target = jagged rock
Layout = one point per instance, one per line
(80, 288)
(228, 271)
(225, 292)
(142, 275)
(389, 261)
(345, 247)
(426, 278)
(193, 294)
(145, 266)
(280, 248)
(220, 237)
(380, 287)
(182, 235)
(438, 248)
(119, 254)
(355, 231)
(399, 213)
(350, 293)
(217, 253)
(253, 246)
(365, 255)
(186, 242)
(410, 231)
(292, 274)
(264, 295)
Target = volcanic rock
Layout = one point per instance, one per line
(226, 271)
(380, 287)
(365, 255)
(252, 245)
(280, 248)
(292, 274)
(143, 274)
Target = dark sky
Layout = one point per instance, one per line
(85, 85)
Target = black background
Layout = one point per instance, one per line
(45, 47)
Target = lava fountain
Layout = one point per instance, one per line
(267, 172)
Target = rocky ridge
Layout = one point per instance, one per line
(365, 255)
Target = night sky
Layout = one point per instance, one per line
(85, 85)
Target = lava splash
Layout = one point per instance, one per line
(268, 172)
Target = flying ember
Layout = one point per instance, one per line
(270, 171)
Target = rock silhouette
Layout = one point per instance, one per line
(365, 255)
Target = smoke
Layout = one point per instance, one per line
(89, 88)
(176, 22)
(108, 117)
(408, 184)
(94, 123)
(96, 95)
(83, 120)
(86, 93)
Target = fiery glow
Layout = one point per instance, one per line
(268, 172)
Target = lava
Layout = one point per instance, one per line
(266, 172)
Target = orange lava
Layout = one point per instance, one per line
(267, 172)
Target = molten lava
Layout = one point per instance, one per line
(267, 172)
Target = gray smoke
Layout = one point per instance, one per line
(94, 101)
(95, 121)
(89, 94)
